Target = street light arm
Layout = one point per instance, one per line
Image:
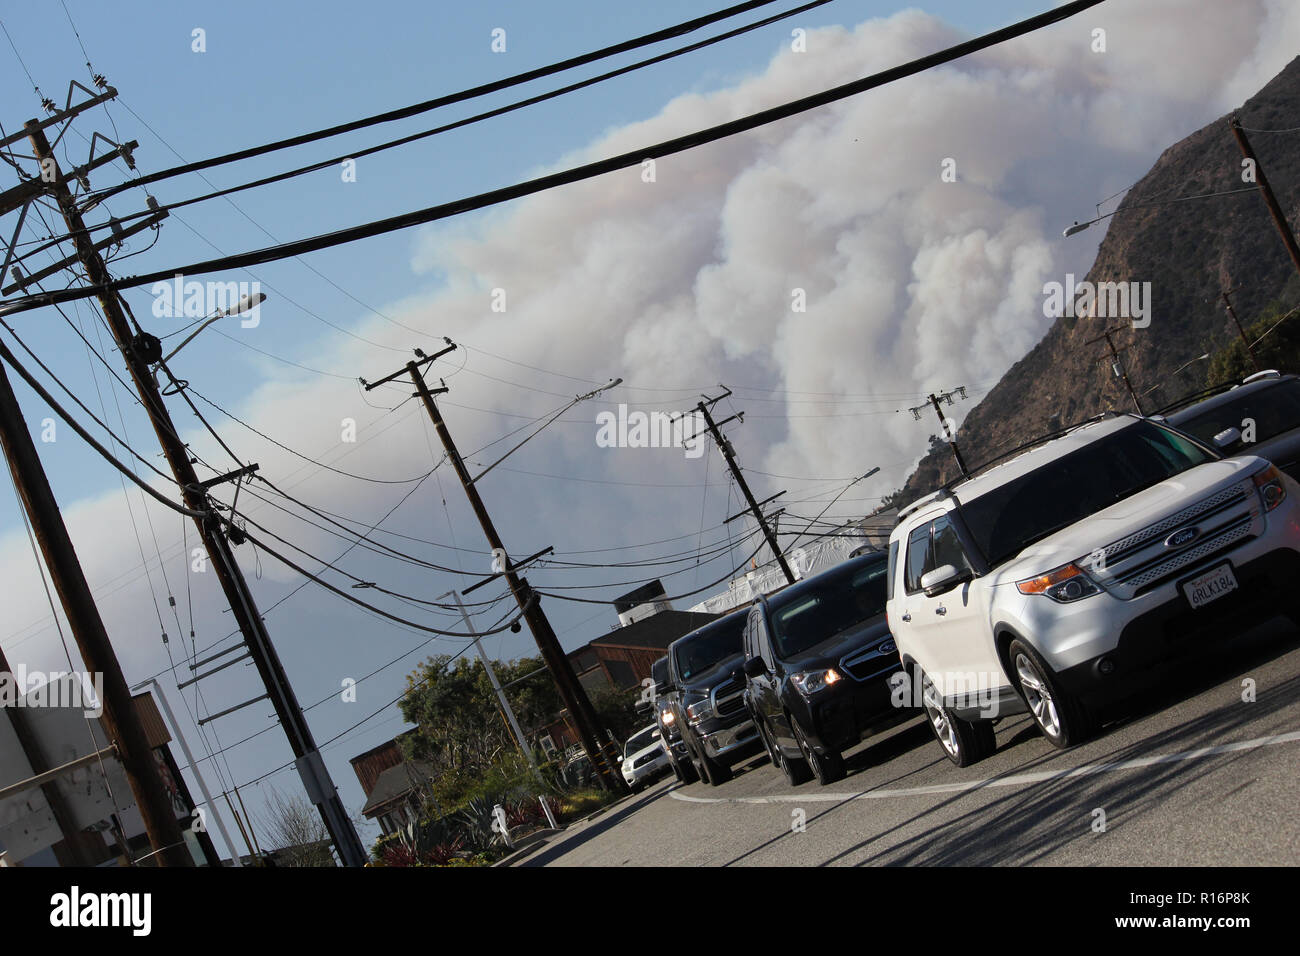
(580, 398)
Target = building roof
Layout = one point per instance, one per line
(657, 631)
(394, 783)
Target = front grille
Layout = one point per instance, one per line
(1141, 561)
(644, 759)
(872, 662)
(727, 699)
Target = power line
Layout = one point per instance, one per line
(565, 177)
(448, 127)
(446, 100)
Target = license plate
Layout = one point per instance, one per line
(1210, 586)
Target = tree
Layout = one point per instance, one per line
(1275, 335)
(461, 728)
(616, 710)
(295, 828)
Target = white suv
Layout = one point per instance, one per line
(1049, 581)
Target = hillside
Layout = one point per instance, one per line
(1190, 252)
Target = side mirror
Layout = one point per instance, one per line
(1227, 438)
(943, 579)
(754, 667)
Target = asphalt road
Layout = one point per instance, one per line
(1187, 774)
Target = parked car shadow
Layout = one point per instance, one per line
(1029, 823)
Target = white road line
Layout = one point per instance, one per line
(1014, 780)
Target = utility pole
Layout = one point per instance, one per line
(120, 719)
(1265, 190)
(729, 456)
(1250, 349)
(136, 351)
(604, 758)
(948, 431)
(1117, 365)
(505, 705)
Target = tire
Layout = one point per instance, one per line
(826, 767)
(964, 742)
(688, 772)
(773, 754)
(1061, 717)
(719, 773)
(796, 771)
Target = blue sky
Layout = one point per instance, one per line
(1032, 159)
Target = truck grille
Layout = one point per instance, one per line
(1141, 561)
(727, 699)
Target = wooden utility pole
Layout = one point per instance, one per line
(1250, 349)
(604, 758)
(137, 350)
(1117, 365)
(120, 719)
(1265, 190)
(729, 456)
(949, 432)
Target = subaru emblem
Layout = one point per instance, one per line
(1181, 537)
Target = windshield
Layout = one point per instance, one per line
(707, 647)
(639, 742)
(834, 603)
(1274, 410)
(1008, 519)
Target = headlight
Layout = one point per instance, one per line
(668, 718)
(809, 682)
(1271, 489)
(699, 710)
(627, 765)
(1065, 584)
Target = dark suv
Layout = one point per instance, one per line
(669, 733)
(818, 663)
(1260, 416)
(705, 691)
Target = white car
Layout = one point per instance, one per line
(1053, 581)
(644, 758)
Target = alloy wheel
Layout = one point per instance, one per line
(939, 719)
(1038, 695)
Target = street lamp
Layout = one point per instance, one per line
(246, 304)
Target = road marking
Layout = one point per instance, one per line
(1014, 780)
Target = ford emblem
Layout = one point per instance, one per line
(1181, 537)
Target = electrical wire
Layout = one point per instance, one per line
(575, 174)
(302, 139)
(459, 124)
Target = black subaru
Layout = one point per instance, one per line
(818, 661)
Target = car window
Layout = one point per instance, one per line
(918, 555)
(830, 605)
(709, 646)
(760, 641)
(639, 742)
(1274, 410)
(1009, 518)
(893, 566)
(945, 547)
